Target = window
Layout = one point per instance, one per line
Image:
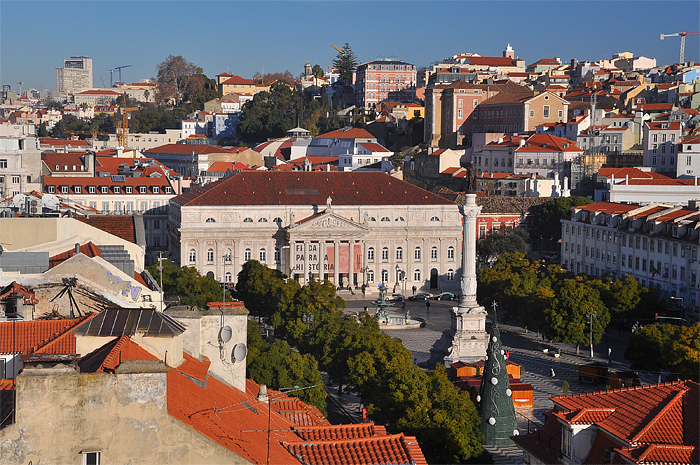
(3, 163)
(532, 113)
(263, 255)
(91, 189)
(370, 276)
(277, 220)
(117, 189)
(385, 254)
(128, 189)
(262, 220)
(227, 278)
(129, 208)
(416, 275)
(247, 255)
(91, 458)
(545, 111)
(142, 189)
(210, 220)
(433, 254)
(566, 441)
(248, 220)
(104, 189)
(193, 257)
(400, 218)
(385, 276)
(450, 254)
(227, 257)
(210, 256)
(277, 255)
(416, 254)
(434, 218)
(105, 207)
(399, 254)
(385, 219)
(370, 254)
(450, 274)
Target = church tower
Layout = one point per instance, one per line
(509, 52)
(307, 70)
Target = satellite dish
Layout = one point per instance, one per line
(18, 201)
(225, 334)
(239, 352)
(50, 201)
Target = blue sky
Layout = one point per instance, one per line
(242, 37)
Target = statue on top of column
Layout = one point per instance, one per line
(328, 202)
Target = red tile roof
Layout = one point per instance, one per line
(491, 61)
(196, 369)
(62, 142)
(374, 147)
(237, 80)
(14, 290)
(224, 166)
(351, 133)
(108, 357)
(186, 149)
(548, 143)
(66, 162)
(84, 181)
(608, 207)
(633, 173)
(119, 225)
(27, 337)
(99, 92)
(671, 126)
(89, 249)
(655, 107)
(309, 188)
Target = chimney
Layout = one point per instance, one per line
(262, 395)
(566, 183)
(77, 248)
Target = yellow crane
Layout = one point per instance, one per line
(339, 50)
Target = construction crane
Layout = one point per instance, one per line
(339, 50)
(120, 71)
(111, 81)
(682, 35)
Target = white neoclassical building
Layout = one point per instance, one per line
(350, 228)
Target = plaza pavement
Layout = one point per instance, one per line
(526, 348)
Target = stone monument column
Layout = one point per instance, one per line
(466, 339)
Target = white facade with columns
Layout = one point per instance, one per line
(348, 228)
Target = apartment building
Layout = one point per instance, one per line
(75, 76)
(660, 141)
(657, 244)
(385, 80)
(519, 112)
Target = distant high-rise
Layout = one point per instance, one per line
(75, 76)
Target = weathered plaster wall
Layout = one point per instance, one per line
(61, 412)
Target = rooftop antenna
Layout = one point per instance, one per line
(68, 285)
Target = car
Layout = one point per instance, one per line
(420, 296)
(445, 296)
(394, 297)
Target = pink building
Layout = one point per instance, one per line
(385, 80)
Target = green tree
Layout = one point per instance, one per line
(186, 282)
(546, 224)
(346, 63)
(661, 347)
(270, 114)
(279, 366)
(317, 71)
(493, 245)
(259, 287)
(177, 79)
(567, 319)
(43, 132)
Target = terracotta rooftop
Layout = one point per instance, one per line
(347, 133)
(548, 143)
(118, 225)
(374, 147)
(309, 188)
(63, 142)
(187, 149)
(14, 290)
(106, 358)
(27, 337)
(89, 249)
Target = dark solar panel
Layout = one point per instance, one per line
(93, 326)
(145, 320)
(120, 323)
(132, 322)
(108, 322)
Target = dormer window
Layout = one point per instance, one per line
(91, 189)
(51, 189)
(156, 190)
(104, 189)
(58, 167)
(168, 190)
(78, 189)
(142, 189)
(117, 189)
(64, 189)
(128, 189)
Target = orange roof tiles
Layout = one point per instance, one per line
(108, 357)
(548, 143)
(14, 290)
(186, 149)
(670, 126)
(608, 207)
(62, 142)
(309, 188)
(119, 225)
(89, 249)
(351, 133)
(237, 80)
(374, 147)
(227, 165)
(27, 337)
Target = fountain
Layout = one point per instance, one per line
(387, 321)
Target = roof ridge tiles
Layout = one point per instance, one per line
(679, 395)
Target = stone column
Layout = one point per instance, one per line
(469, 213)
(322, 261)
(336, 263)
(351, 263)
(306, 263)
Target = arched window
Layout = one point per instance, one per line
(450, 274)
(277, 255)
(227, 257)
(193, 257)
(385, 219)
(450, 254)
(210, 220)
(416, 254)
(416, 275)
(370, 254)
(210, 274)
(227, 278)
(210, 256)
(277, 220)
(370, 276)
(385, 254)
(399, 254)
(246, 255)
(434, 218)
(263, 255)
(433, 254)
(248, 220)
(385, 276)
(262, 220)
(371, 218)
(400, 218)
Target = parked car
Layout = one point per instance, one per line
(420, 296)
(445, 296)
(394, 297)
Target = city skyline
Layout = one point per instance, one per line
(235, 37)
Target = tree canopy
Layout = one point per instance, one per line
(346, 63)
(269, 114)
(193, 288)
(546, 224)
(177, 79)
(493, 245)
(666, 347)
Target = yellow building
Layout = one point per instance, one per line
(228, 83)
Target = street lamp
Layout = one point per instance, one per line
(398, 274)
(226, 257)
(160, 268)
(591, 316)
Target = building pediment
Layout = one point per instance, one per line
(328, 221)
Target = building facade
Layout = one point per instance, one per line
(660, 142)
(350, 228)
(385, 80)
(656, 244)
(75, 76)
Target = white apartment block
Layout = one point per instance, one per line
(660, 144)
(688, 158)
(75, 76)
(657, 244)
